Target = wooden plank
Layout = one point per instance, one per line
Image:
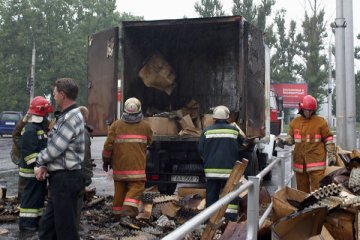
(235, 176)
(234, 231)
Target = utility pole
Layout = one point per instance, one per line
(340, 75)
(350, 77)
(32, 76)
(330, 87)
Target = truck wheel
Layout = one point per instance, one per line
(263, 157)
(167, 188)
(252, 168)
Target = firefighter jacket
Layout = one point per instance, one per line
(16, 135)
(219, 147)
(310, 137)
(33, 140)
(126, 146)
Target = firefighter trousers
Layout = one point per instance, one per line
(32, 203)
(309, 181)
(127, 197)
(213, 188)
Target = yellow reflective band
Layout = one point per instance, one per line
(31, 158)
(218, 170)
(40, 132)
(222, 131)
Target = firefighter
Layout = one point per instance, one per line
(219, 147)
(33, 140)
(15, 150)
(313, 139)
(125, 152)
(86, 165)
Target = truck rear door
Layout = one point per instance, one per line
(103, 51)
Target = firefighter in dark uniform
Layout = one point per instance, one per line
(33, 140)
(219, 147)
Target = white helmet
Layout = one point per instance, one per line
(132, 106)
(221, 112)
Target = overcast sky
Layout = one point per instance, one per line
(170, 9)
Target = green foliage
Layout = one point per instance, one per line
(256, 14)
(59, 29)
(245, 8)
(283, 67)
(357, 99)
(209, 8)
(311, 47)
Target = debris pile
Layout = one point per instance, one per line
(338, 196)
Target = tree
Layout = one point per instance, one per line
(311, 47)
(256, 15)
(59, 29)
(245, 8)
(357, 83)
(283, 67)
(209, 8)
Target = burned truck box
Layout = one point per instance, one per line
(214, 61)
(181, 66)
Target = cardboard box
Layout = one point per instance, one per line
(325, 234)
(157, 73)
(281, 205)
(300, 225)
(186, 122)
(207, 120)
(185, 191)
(162, 126)
(340, 224)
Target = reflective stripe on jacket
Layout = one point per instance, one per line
(219, 146)
(310, 137)
(126, 145)
(33, 140)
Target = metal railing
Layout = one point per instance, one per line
(254, 222)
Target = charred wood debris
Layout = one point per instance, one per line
(160, 214)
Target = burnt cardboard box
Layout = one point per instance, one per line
(186, 122)
(325, 234)
(299, 225)
(207, 120)
(281, 204)
(157, 73)
(162, 126)
(340, 224)
(186, 191)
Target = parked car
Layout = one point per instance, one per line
(8, 120)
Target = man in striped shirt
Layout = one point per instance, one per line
(219, 147)
(61, 159)
(125, 152)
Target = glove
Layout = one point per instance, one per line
(106, 166)
(280, 143)
(332, 159)
(330, 148)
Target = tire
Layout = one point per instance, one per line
(252, 168)
(263, 157)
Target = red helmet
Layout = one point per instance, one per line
(40, 106)
(308, 103)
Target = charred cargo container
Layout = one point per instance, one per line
(180, 69)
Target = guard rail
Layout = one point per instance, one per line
(285, 177)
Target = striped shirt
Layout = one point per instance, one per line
(66, 144)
